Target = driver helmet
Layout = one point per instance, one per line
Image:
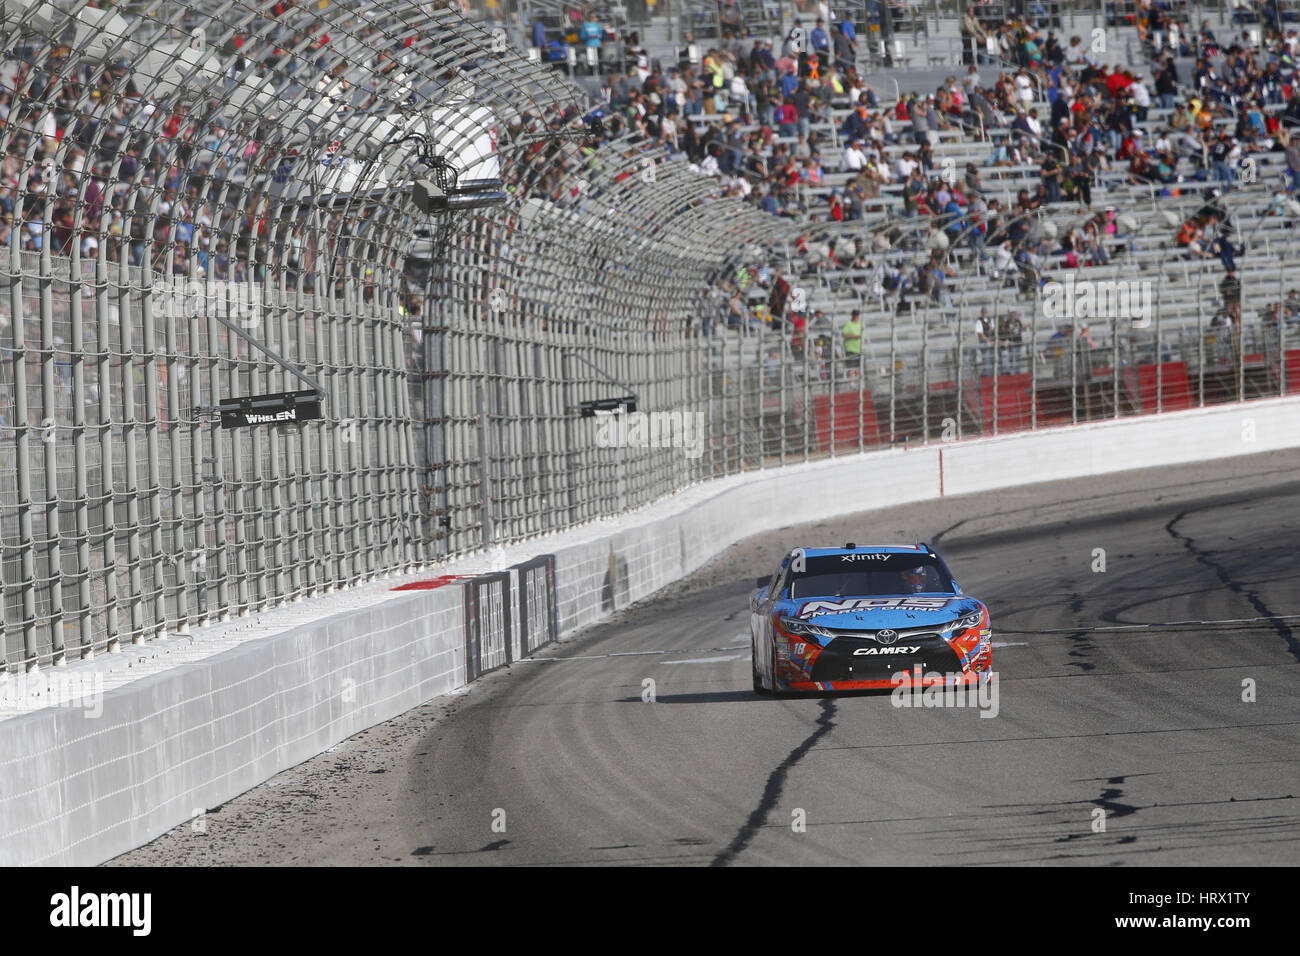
(914, 580)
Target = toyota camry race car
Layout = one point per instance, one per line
(861, 618)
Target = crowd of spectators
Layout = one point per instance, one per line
(770, 119)
(128, 155)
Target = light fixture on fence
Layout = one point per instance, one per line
(441, 190)
(431, 198)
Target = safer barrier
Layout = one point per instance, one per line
(538, 623)
(488, 634)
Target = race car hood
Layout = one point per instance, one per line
(872, 613)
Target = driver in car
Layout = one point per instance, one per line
(915, 580)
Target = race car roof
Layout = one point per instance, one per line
(878, 548)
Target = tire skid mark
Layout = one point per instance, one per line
(775, 785)
(1283, 630)
(1110, 799)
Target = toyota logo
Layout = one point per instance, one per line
(886, 636)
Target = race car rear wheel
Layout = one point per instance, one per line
(753, 665)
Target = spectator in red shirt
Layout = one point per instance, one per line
(1117, 82)
(797, 326)
(1128, 147)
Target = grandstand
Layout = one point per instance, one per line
(920, 363)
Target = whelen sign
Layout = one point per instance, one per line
(280, 408)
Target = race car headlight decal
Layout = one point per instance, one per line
(965, 623)
(793, 627)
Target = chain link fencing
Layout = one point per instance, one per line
(205, 203)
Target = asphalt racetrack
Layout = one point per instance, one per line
(1142, 730)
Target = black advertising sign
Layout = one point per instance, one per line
(278, 408)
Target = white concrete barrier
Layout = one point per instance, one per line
(78, 789)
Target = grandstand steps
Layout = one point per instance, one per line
(918, 416)
(1290, 373)
(1163, 387)
(839, 418)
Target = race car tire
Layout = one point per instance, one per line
(775, 692)
(753, 666)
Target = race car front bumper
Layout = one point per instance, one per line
(900, 679)
(860, 663)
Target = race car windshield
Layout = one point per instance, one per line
(868, 574)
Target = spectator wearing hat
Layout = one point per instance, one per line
(913, 193)
(1219, 150)
(1058, 350)
(1223, 247)
(789, 81)
(821, 41)
(1141, 98)
(846, 49)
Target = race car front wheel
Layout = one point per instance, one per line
(775, 691)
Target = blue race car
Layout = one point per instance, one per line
(864, 618)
